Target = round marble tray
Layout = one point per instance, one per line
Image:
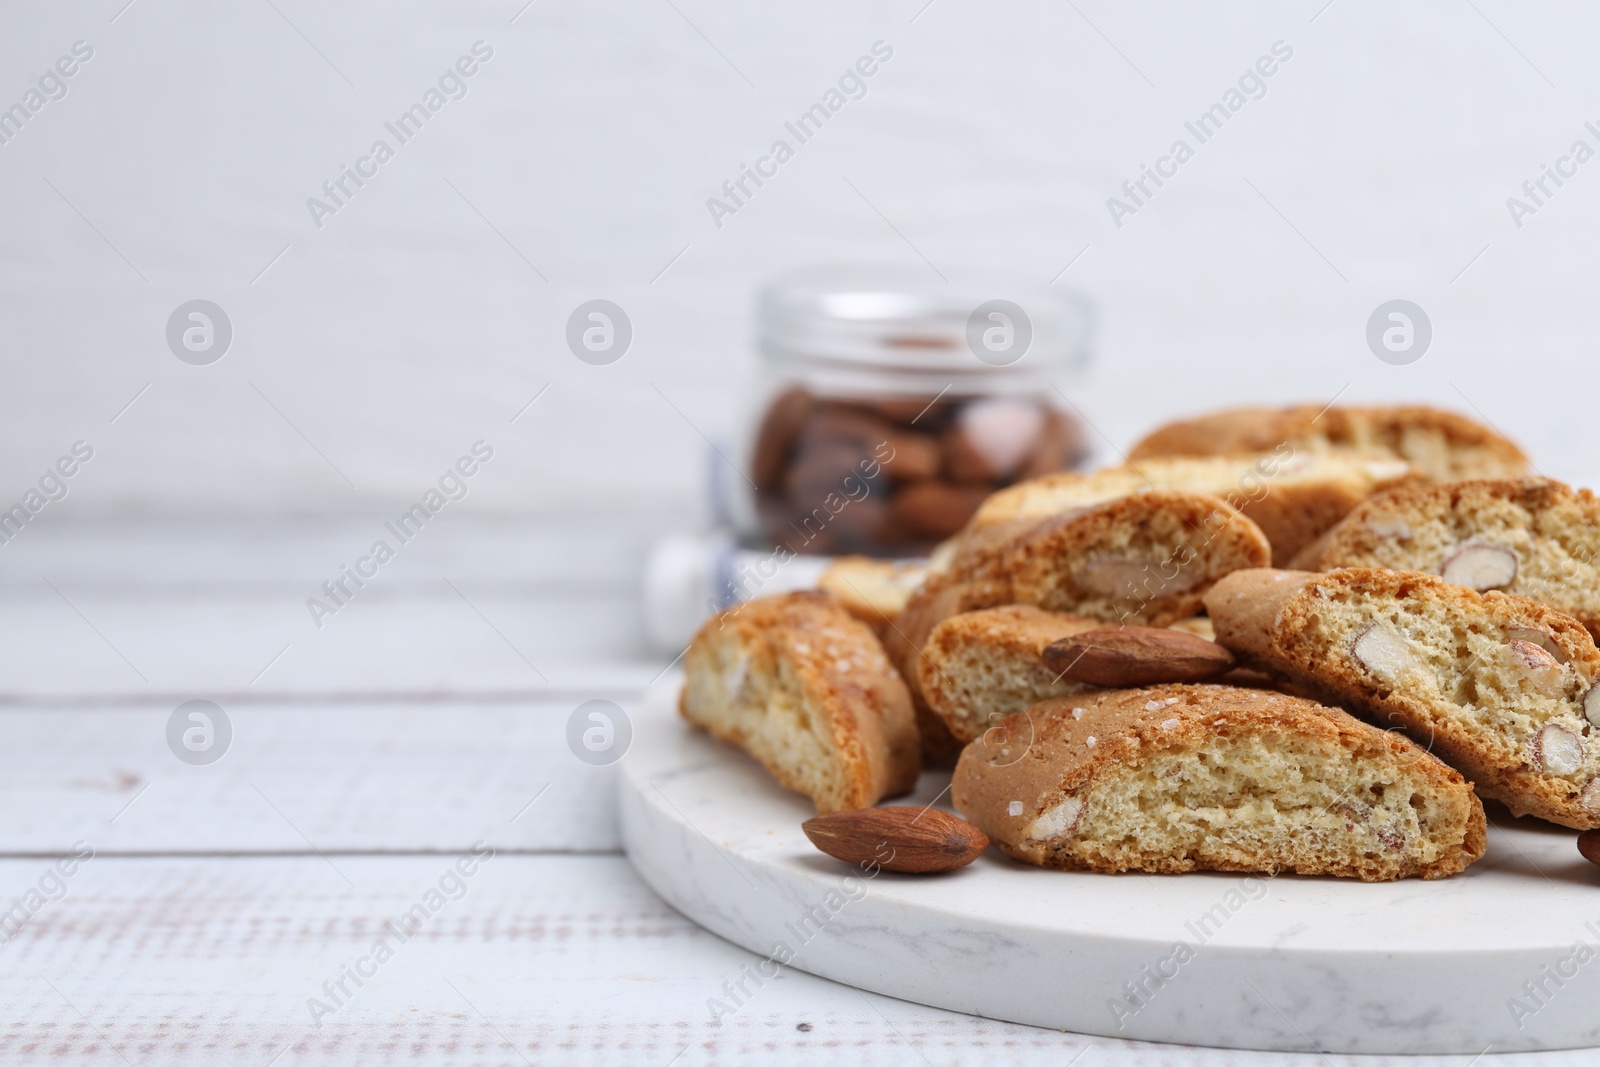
(1505, 956)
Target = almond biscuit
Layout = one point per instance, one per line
(807, 691)
(1176, 778)
(873, 590)
(980, 666)
(1144, 559)
(1444, 446)
(1497, 686)
(1530, 537)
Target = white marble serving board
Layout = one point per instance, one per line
(1285, 963)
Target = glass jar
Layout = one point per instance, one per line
(891, 406)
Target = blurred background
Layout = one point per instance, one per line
(376, 338)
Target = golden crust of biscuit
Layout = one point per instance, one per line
(1176, 778)
(1443, 445)
(806, 690)
(1293, 497)
(873, 590)
(1493, 684)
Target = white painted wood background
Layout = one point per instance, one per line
(416, 321)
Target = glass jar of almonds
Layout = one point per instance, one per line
(891, 406)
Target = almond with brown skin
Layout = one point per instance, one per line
(1061, 445)
(909, 456)
(937, 508)
(1118, 657)
(1545, 673)
(1589, 845)
(780, 426)
(1591, 705)
(901, 839)
(1558, 751)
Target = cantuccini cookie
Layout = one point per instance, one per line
(1498, 686)
(1442, 445)
(807, 691)
(873, 590)
(1143, 559)
(1293, 496)
(1176, 778)
(980, 666)
(1530, 537)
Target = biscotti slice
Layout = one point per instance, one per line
(1175, 778)
(980, 666)
(873, 590)
(1144, 559)
(1496, 685)
(1294, 497)
(1530, 537)
(1444, 446)
(806, 689)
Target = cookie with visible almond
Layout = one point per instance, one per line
(1144, 559)
(1501, 688)
(806, 690)
(980, 666)
(1530, 537)
(1175, 778)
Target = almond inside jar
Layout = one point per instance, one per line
(896, 476)
(893, 404)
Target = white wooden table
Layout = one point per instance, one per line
(365, 762)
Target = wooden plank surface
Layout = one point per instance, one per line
(331, 776)
(146, 609)
(528, 960)
(363, 762)
(428, 713)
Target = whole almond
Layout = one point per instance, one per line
(901, 839)
(1589, 845)
(991, 439)
(1061, 445)
(780, 426)
(1121, 656)
(937, 508)
(909, 456)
